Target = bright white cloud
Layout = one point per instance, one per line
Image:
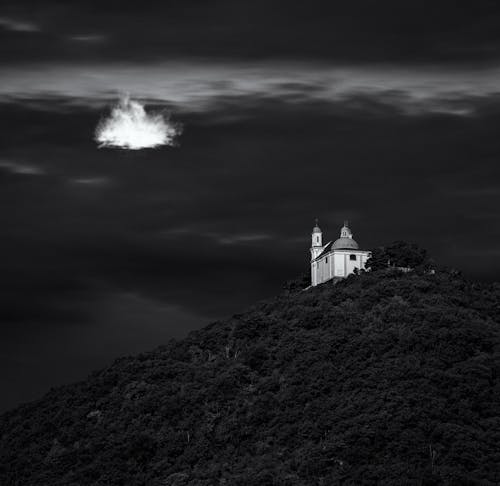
(130, 127)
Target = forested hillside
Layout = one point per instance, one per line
(384, 378)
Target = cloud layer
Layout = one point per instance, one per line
(205, 86)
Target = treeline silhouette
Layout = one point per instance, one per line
(386, 377)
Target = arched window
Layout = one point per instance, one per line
(352, 257)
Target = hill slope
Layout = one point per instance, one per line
(383, 378)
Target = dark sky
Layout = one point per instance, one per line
(382, 113)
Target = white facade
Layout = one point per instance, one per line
(336, 259)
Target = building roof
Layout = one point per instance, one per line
(326, 249)
(345, 243)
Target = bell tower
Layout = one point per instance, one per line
(316, 241)
(346, 232)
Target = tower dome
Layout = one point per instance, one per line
(345, 244)
(316, 228)
(316, 241)
(346, 241)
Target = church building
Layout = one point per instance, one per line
(336, 259)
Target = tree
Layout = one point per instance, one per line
(397, 254)
(300, 283)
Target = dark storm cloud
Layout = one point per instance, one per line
(366, 30)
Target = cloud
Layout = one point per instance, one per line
(130, 127)
(20, 169)
(217, 237)
(242, 238)
(88, 38)
(91, 181)
(202, 86)
(17, 25)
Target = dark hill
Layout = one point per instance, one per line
(385, 378)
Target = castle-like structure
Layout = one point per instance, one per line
(336, 259)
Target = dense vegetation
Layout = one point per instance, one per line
(384, 378)
(399, 254)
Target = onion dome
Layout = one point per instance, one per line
(345, 244)
(316, 228)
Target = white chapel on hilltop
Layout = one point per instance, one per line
(336, 259)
